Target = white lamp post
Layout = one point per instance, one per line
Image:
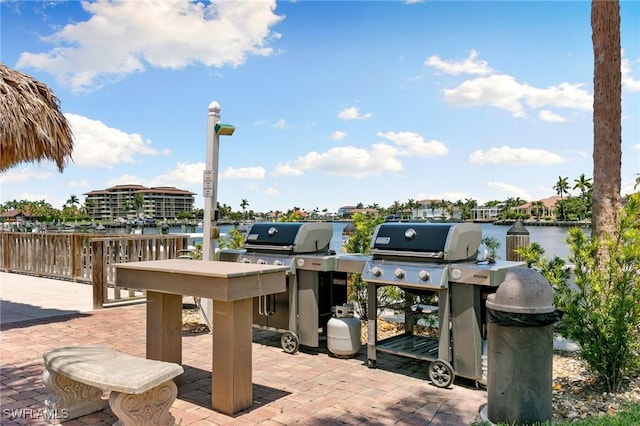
(210, 231)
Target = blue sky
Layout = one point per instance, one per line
(334, 103)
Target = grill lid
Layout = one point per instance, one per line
(447, 242)
(289, 237)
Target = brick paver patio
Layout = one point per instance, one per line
(308, 388)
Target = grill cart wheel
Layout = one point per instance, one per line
(290, 342)
(441, 373)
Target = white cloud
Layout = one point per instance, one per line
(243, 173)
(546, 115)
(98, 145)
(27, 174)
(271, 192)
(503, 91)
(564, 95)
(628, 82)
(352, 113)
(467, 66)
(338, 135)
(287, 169)
(514, 156)
(83, 184)
(121, 38)
(345, 161)
(511, 190)
(280, 124)
(412, 144)
(183, 174)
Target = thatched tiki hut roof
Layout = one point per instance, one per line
(32, 128)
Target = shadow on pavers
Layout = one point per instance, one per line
(19, 315)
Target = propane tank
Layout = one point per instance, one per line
(343, 332)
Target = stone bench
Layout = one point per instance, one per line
(80, 379)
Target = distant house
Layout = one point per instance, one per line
(15, 215)
(346, 211)
(548, 210)
(485, 213)
(432, 209)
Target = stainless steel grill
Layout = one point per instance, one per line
(437, 260)
(313, 287)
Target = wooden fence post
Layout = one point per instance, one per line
(98, 273)
(6, 252)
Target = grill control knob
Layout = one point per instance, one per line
(245, 260)
(261, 262)
(376, 271)
(456, 274)
(399, 273)
(424, 275)
(277, 262)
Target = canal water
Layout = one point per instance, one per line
(551, 238)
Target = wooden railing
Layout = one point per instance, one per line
(87, 258)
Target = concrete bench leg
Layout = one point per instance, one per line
(150, 408)
(69, 399)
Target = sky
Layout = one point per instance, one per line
(334, 103)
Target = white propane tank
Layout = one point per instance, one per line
(343, 332)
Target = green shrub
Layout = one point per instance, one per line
(359, 242)
(600, 303)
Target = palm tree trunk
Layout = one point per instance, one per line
(607, 113)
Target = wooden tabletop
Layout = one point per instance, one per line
(216, 280)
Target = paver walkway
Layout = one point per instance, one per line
(308, 388)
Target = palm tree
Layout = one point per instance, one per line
(138, 202)
(72, 201)
(562, 187)
(434, 205)
(413, 205)
(607, 120)
(469, 204)
(396, 207)
(444, 205)
(244, 204)
(583, 183)
(459, 204)
(637, 181)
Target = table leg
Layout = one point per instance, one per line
(232, 370)
(164, 327)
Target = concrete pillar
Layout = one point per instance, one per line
(520, 318)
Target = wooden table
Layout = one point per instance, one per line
(232, 287)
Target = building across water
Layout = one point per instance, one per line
(120, 202)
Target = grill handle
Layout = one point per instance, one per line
(264, 305)
(402, 253)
